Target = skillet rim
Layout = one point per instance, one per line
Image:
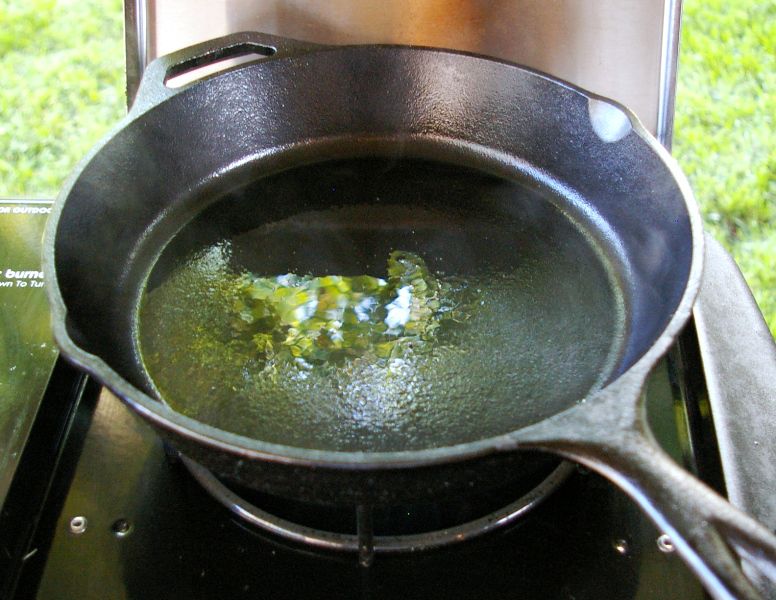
(165, 418)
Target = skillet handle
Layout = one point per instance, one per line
(705, 529)
(153, 87)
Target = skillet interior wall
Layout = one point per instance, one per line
(463, 202)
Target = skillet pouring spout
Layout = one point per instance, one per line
(609, 434)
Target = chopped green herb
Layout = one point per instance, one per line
(311, 320)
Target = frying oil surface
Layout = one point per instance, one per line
(537, 318)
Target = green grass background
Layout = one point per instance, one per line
(724, 134)
(62, 86)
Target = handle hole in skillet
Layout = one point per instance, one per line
(197, 68)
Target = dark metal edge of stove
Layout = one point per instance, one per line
(742, 360)
(47, 465)
(739, 358)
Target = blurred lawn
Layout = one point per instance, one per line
(61, 69)
(725, 139)
(61, 87)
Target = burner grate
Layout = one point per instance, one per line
(364, 541)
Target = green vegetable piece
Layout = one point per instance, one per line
(309, 320)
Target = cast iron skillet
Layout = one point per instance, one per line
(305, 103)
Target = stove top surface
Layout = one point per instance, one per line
(125, 519)
(98, 507)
